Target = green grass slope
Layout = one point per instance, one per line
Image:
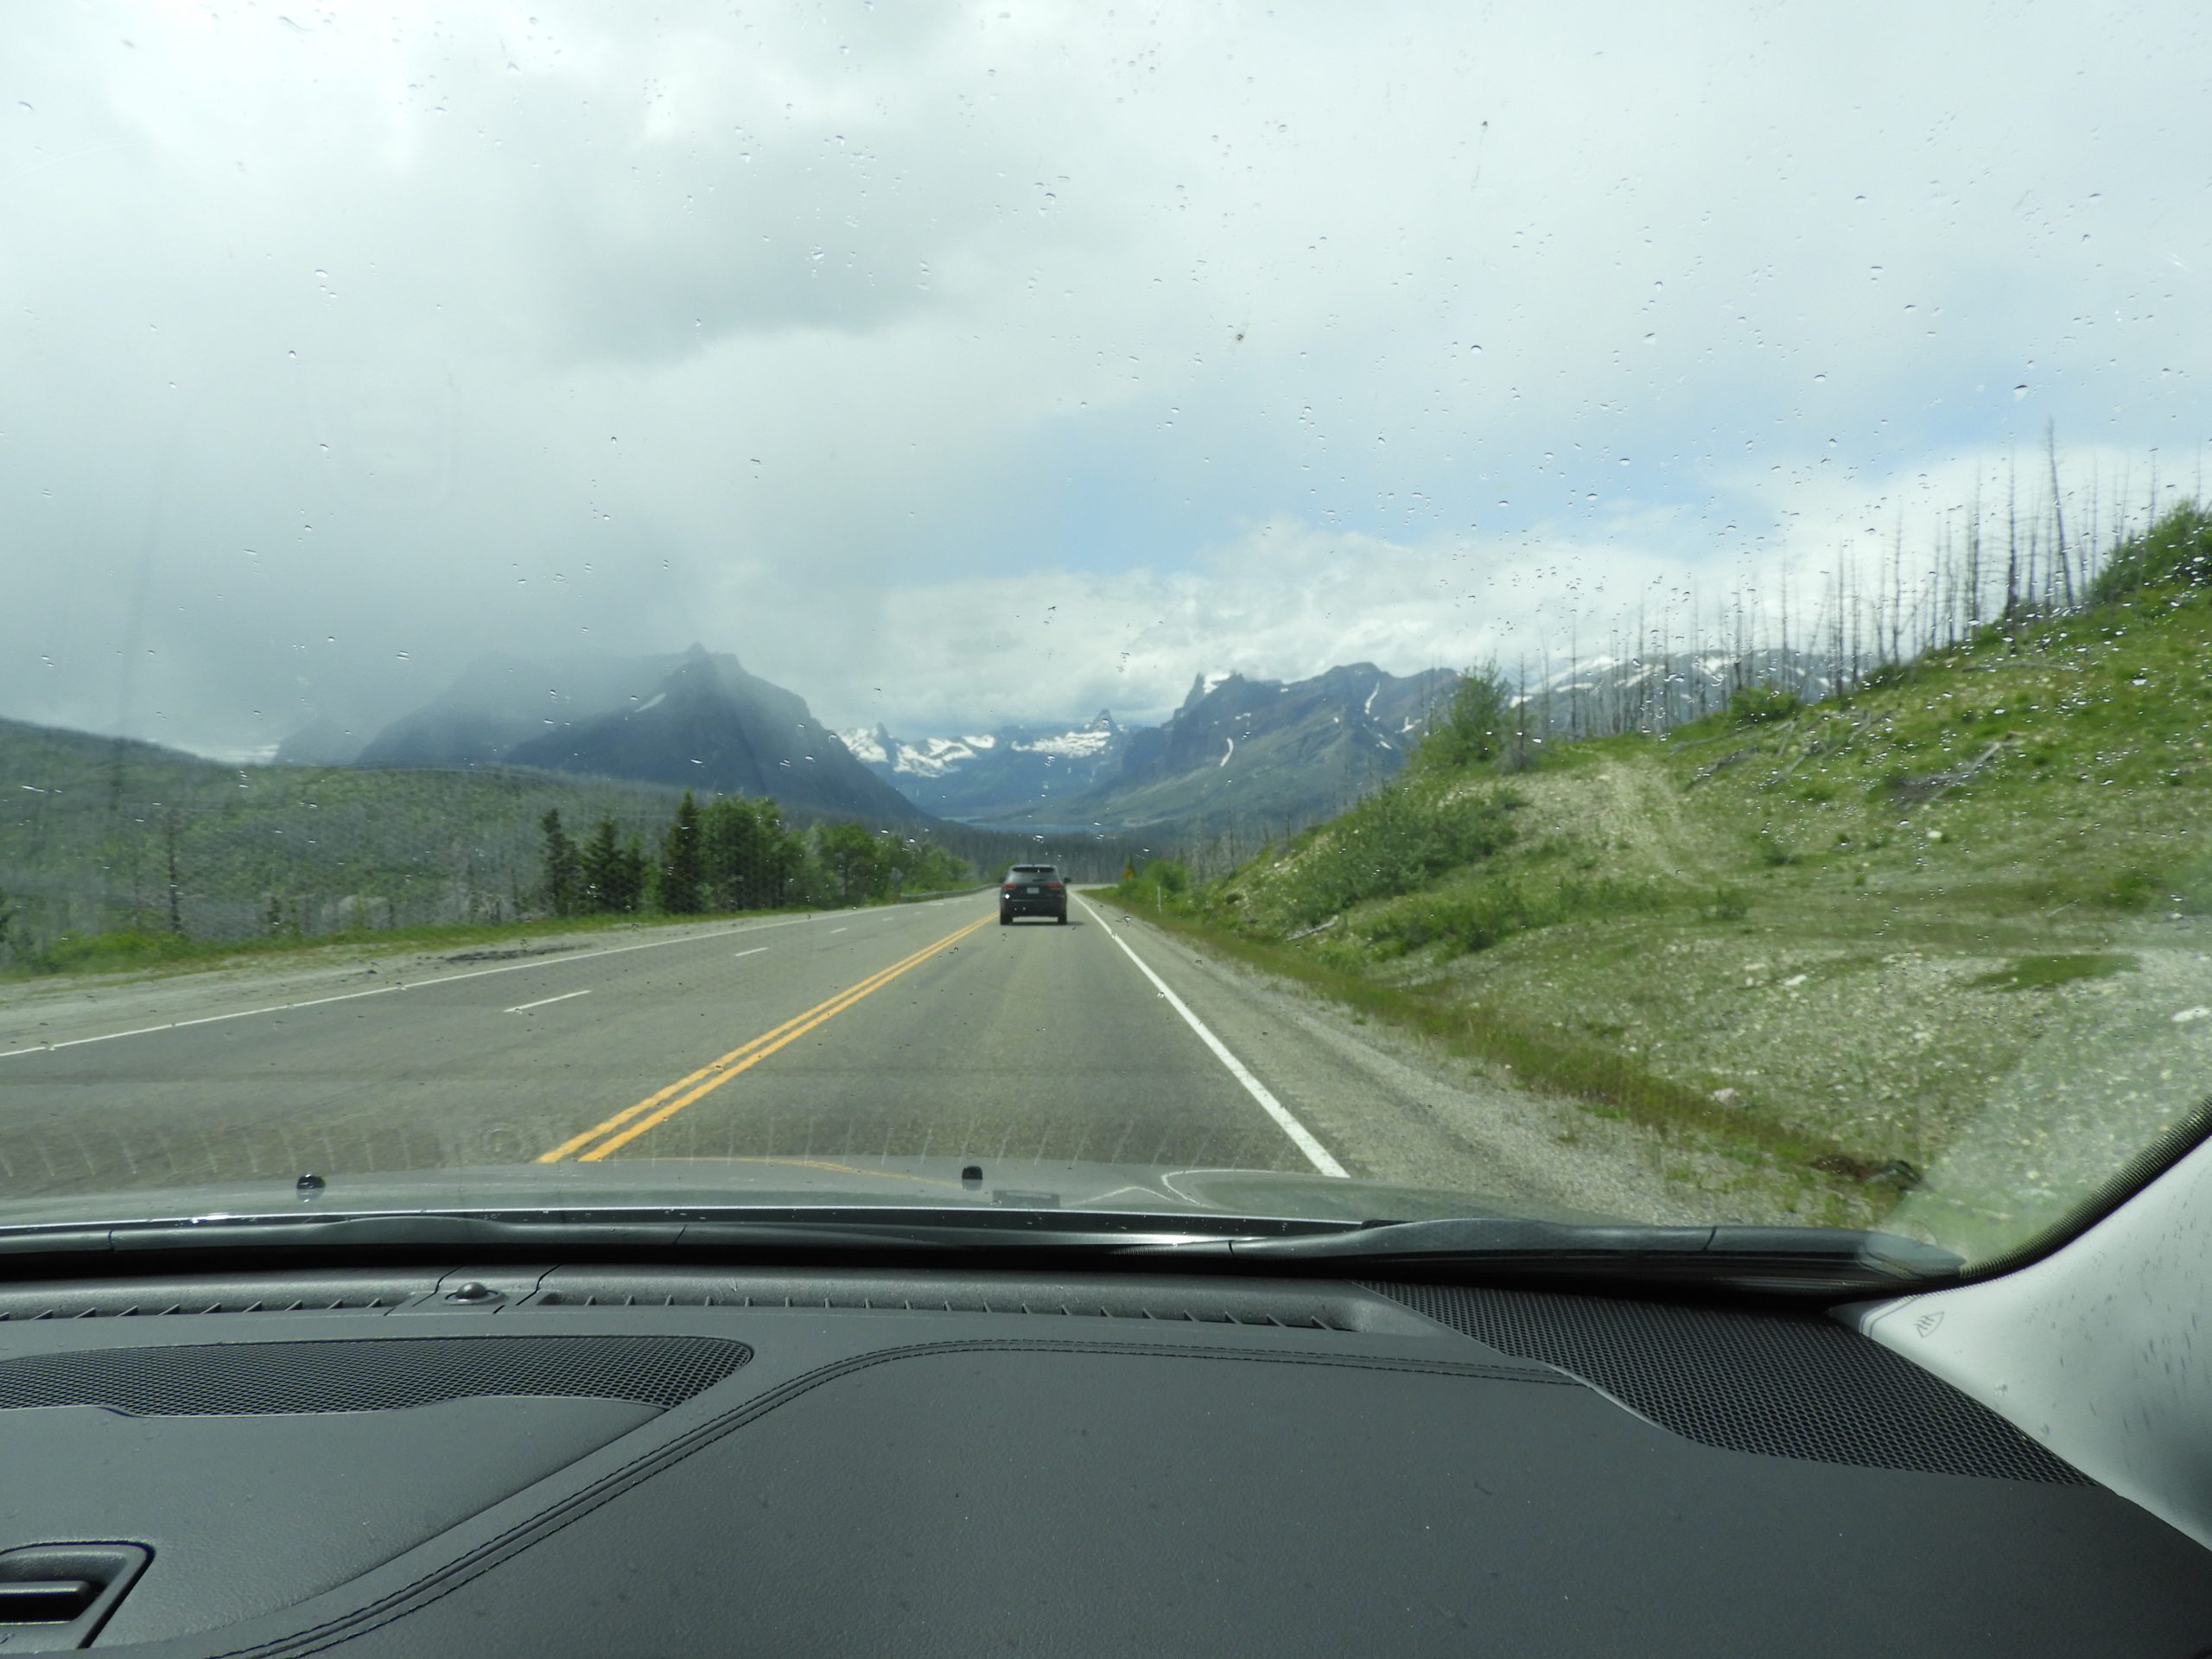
(1938, 951)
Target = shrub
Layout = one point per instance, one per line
(1393, 843)
(2131, 890)
(1473, 728)
(1727, 904)
(1750, 705)
(1493, 910)
(1161, 882)
(1467, 921)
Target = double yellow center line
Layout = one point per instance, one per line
(662, 1104)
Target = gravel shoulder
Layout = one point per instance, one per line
(1396, 1108)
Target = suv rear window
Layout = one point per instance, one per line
(1031, 872)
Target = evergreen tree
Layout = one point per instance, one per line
(613, 871)
(632, 871)
(857, 865)
(1472, 728)
(680, 878)
(562, 872)
(751, 859)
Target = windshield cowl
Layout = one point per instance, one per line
(770, 1208)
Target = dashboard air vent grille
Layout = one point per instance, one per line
(157, 1307)
(378, 1374)
(1096, 1307)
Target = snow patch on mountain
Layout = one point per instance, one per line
(866, 747)
(932, 757)
(1069, 744)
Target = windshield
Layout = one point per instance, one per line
(1593, 613)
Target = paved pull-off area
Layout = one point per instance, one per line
(925, 1030)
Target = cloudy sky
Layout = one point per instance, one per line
(954, 364)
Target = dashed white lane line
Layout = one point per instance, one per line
(542, 1001)
(204, 1020)
(754, 951)
(1316, 1154)
(447, 979)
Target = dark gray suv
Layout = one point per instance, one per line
(1033, 890)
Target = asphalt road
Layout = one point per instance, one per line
(924, 1030)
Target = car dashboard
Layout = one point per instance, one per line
(639, 1459)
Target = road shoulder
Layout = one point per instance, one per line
(1392, 1108)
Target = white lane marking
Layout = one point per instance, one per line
(447, 979)
(837, 930)
(754, 951)
(525, 1008)
(204, 1020)
(1316, 1154)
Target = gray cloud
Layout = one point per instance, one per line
(1278, 338)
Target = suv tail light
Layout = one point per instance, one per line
(1051, 886)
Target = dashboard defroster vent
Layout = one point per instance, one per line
(372, 1373)
(1158, 1309)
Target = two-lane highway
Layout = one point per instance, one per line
(924, 1030)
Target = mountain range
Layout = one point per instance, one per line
(698, 720)
(1262, 749)
(1267, 752)
(989, 773)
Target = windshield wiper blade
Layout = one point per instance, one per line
(1770, 1257)
(874, 1228)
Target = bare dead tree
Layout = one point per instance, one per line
(176, 890)
(1896, 593)
(2012, 545)
(1973, 559)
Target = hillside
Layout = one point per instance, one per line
(91, 828)
(1938, 949)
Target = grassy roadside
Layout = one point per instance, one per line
(132, 952)
(1943, 946)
